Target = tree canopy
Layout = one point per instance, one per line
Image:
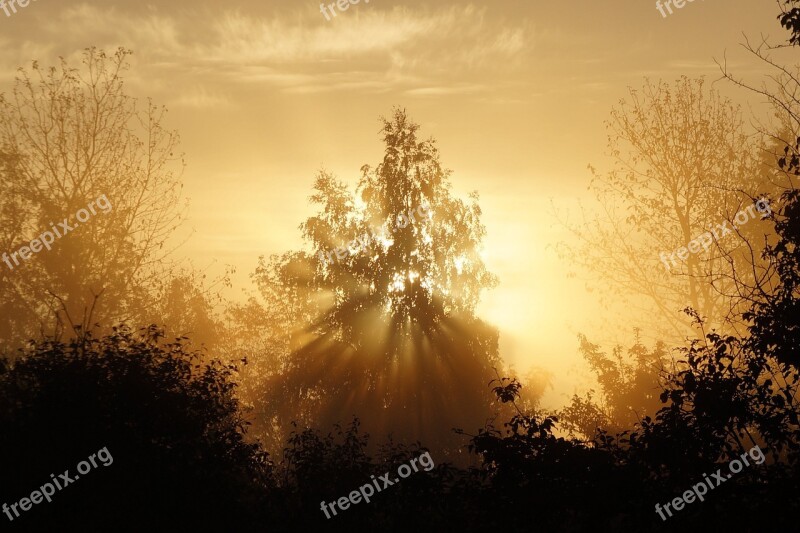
(387, 331)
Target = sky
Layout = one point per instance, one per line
(264, 94)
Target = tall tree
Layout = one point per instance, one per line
(388, 327)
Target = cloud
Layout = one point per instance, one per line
(200, 97)
(425, 51)
(442, 91)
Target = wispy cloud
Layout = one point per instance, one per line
(441, 91)
(431, 50)
(201, 97)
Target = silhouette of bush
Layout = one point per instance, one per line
(319, 467)
(720, 403)
(171, 424)
(181, 461)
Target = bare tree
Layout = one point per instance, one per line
(683, 165)
(69, 136)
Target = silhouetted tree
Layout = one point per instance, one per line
(386, 332)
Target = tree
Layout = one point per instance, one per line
(685, 172)
(630, 383)
(683, 164)
(387, 331)
(263, 332)
(69, 137)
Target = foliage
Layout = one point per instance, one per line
(629, 387)
(177, 438)
(67, 137)
(390, 330)
(171, 424)
(776, 318)
(790, 19)
(682, 163)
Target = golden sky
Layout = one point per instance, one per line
(265, 93)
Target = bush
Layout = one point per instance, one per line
(171, 423)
